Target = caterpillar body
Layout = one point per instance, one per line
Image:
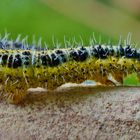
(24, 66)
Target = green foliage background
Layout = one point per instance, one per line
(47, 18)
(32, 17)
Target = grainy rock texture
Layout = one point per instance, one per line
(78, 113)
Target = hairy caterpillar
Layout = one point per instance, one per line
(24, 66)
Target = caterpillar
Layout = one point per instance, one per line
(24, 66)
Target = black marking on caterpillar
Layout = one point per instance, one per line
(24, 66)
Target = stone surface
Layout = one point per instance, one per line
(76, 113)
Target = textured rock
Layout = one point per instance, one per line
(76, 113)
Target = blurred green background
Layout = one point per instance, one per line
(108, 19)
(72, 18)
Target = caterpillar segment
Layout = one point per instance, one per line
(25, 66)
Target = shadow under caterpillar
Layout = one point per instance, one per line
(24, 66)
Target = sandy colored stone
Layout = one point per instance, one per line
(75, 113)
